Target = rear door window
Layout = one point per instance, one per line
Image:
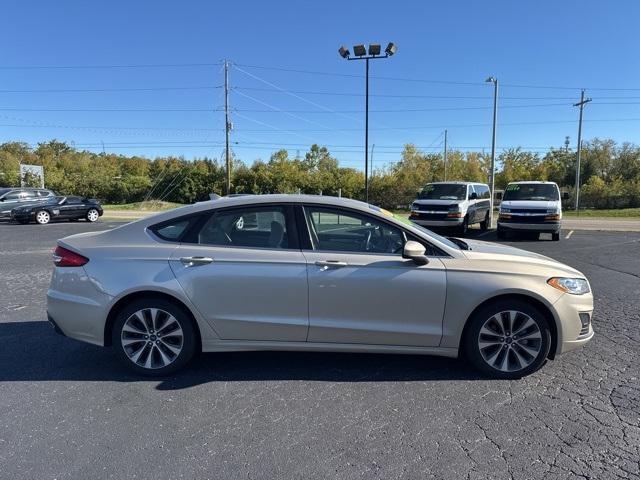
(255, 227)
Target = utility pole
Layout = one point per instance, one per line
(366, 136)
(583, 101)
(492, 175)
(445, 155)
(227, 127)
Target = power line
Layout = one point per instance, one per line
(433, 81)
(132, 89)
(82, 67)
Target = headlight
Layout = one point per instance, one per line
(574, 286)
(414, 206)
(505, 210)
(553, 211)
(454, 208)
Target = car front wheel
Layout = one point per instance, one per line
(92, 215)
(43, 217)
(507, 339)
(154, 337)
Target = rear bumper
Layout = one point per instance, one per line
(76, 307)
(531, 227)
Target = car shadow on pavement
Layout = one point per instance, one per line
(32, 351)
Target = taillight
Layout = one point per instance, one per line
(66, 258)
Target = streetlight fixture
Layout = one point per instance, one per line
(493, 80)
(360, 52)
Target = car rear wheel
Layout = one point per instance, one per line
(42, 217)
(92, 215)
(508, 339)
(154, 337)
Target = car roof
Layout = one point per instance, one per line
(540, 182)
(457, 183)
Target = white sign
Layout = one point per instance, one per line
(31, 171)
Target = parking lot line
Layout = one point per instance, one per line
(569, 235)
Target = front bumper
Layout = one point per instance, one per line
(439, 222)
(22, 216)
(552, 227)
(572, 333)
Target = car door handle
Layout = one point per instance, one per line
(195, 261)
(331, 263)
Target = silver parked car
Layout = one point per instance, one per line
(292, 272)
(13, 197)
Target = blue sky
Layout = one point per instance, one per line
(564, 44)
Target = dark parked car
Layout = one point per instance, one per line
(62, 208)
(16, 196)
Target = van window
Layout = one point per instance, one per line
(482, 191)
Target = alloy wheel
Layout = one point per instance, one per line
(92, 215)
(152, 338)
(510, 341)
(43, 217)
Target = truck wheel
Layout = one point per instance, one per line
(464, 228)
(502, 234)
(555, 236)
(484, 225)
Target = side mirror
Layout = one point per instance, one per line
(415, 251)
(565, 196)
(474, 196)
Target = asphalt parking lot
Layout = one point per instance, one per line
(68, 410)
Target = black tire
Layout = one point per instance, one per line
(555, 236)
(502, 233)
(189, 339)
(484, 225)
(471, 347)
(42, 217)
(464, 228)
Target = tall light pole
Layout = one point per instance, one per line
(361, 53)
(492, 175)
(445, 155)
(583, 101)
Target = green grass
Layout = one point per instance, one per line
(151, 206)
(617, 213)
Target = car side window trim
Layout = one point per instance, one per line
(188, 237)
(307, 242)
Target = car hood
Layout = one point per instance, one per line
(437, 202)
(539, 204)
(514, 259)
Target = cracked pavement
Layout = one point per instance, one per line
(68, 410)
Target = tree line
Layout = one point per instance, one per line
(610, 173)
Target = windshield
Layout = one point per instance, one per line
(4, 190)
(443, 191)
(531, 191)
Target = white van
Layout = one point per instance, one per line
(530, 207)
(452, 204)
